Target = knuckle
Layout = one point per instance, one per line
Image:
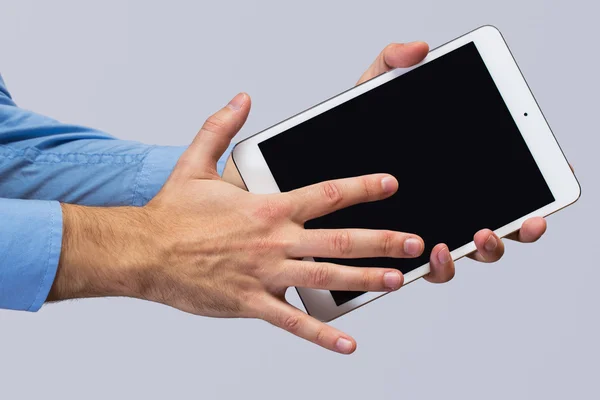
(341, 243)
(214, 124)
(285, 205)
(321, 335)
(366, 280)
(246, 297)
(387, 243)
(280, 242)
(259, 308)
(271, 209)
(291, 323)
(321, 277)
(253, 304)
(266, 244)
(332, 193)
(257, 248)
(367, 191)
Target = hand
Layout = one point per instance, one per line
(490, 247)
(209, 248)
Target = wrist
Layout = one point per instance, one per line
(105, 252)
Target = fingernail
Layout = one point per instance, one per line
(392, 280)
(444, 256)
(237, 102)
(388, 184)
(412, 247)
(491, 243)
(343, 345)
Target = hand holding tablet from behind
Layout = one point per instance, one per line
(490, 248)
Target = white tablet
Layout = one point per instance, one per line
(462, 133)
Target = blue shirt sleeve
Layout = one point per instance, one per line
(43, 162)
(30, 240)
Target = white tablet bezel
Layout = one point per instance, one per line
(521, 104)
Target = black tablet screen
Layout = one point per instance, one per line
(444, 131)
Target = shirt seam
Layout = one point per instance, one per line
(42, 158)
(139, 177)
(50, 239)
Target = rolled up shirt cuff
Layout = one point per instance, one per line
(156, 168)
(30, 243)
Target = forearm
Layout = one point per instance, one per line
(110, 251)
(105, 252)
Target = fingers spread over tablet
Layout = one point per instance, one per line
(289, 318)
(326, 197)
(441, 265)
(322, 275)
(356, 243)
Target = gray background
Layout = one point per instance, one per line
(525, 328)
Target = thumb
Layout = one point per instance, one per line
(200, 159)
